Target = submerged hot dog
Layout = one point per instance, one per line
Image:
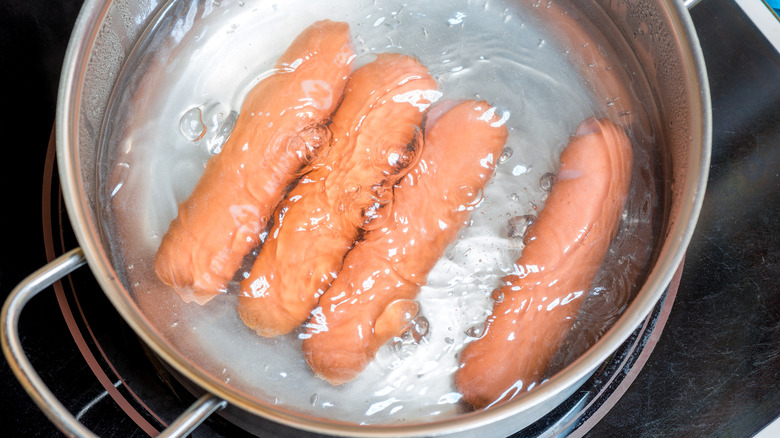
(535, 307)
(376, 140)
(372, 299)
(282, 127)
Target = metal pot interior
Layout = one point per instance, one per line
(639, 61)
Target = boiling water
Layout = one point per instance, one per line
(181, 96)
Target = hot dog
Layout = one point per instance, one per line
(535, 306)
(281, 128)
(372, 299)
(376, 140)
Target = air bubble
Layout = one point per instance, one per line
(209, 125)
(518, 226)
(403, 349)
(191, 124)
(644, 210)
(611, 102)
(419, 328)
(469, 197)
(215, 144)
(310, 145)
(505, 155)
(547, 181)
(417, 332)
(475, 331)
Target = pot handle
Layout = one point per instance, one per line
(32, 383)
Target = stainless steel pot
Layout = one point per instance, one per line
(660, 34)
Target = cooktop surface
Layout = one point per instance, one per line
(712, 366)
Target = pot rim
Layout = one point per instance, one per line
(72, 78)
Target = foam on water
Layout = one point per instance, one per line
(205, 59)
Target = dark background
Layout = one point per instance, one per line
(33, 38)
(716, 368)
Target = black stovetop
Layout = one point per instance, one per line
(714, 370)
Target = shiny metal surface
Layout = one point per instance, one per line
(12, 345)
(95, 55)
(34, 385)
(713, 372)
(192, 417)
(715, 369)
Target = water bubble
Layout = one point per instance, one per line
(416, 332)
(498, 296)
(352, 189)
(611, 102)
(547, 181)
(191, 124)
(403, 349)
(469, 197)
(475, 331)
(644, 210)
(419, 328)
(313, 399)
(505, 155)
(396, 157)
(215, 144)
(387, 356)
(517, 227)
